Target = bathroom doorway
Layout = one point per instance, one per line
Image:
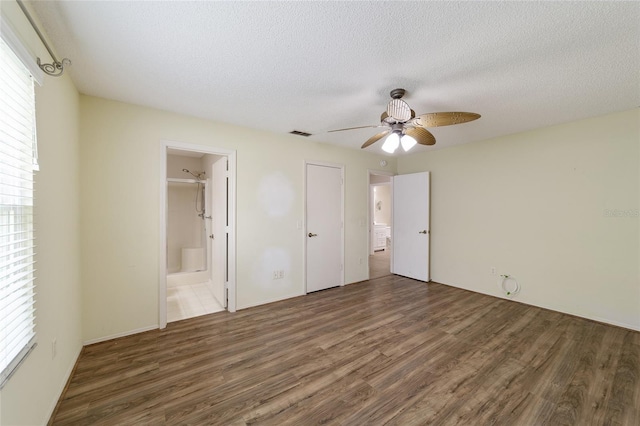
(380, 244)
(197, 258)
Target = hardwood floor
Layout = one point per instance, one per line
(379, 264)
(387, 351)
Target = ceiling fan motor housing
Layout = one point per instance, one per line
(399, 110)
(397, 93)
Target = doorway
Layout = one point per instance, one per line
(197, 244)
(380, 223)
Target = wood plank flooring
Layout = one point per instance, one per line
(379, 264)
(386, 351)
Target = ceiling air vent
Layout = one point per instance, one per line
(299, 133)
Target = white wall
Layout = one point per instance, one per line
(534, 205)
(30, 395)
(120, 249)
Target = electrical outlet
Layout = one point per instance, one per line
(54, 348)
(493, 270)
(275, 275)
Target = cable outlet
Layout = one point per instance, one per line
(493, 270)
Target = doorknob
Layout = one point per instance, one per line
(312, 235)
(424, 231)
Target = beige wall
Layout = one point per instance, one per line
(184, 227)
(29, 397)
(120, 146)
(534, 206)
(382, 194)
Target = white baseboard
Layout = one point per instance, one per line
(65, 379)
(265, 302)
(550, 308)
(126, 333)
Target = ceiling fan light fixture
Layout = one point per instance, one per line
(407, 142)
(391, 143)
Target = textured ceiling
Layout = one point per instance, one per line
(317, 66)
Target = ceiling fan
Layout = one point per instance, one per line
(403, 127)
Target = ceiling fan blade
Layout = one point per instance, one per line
(376, 138)
(421, 135)
(437, 119)
(351, 128)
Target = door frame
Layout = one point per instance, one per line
(304, 235)
(370, 216)
(231, 231)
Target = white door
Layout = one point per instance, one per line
(410, 238)
(323, 234)
(219, 219)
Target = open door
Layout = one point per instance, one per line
(410, 231)
(219, 233)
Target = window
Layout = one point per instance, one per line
(18, 160)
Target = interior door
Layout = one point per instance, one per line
(410, 231)
(219, 219)
(323, 234)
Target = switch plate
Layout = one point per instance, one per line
(493, 270)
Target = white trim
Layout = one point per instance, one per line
(162, 249)
(231, 206)
(545, 307)
(118, 335)
(304, 235)
(65, 379)
(13, 41)
(274, 300)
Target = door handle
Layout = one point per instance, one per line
(312, 235)
(424, 231)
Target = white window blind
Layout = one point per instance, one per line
(17, 165)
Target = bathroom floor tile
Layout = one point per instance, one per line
(188, 301)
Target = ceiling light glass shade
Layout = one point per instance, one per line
(408, 142)
(391, 143)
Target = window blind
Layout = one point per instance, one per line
(17, 165)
